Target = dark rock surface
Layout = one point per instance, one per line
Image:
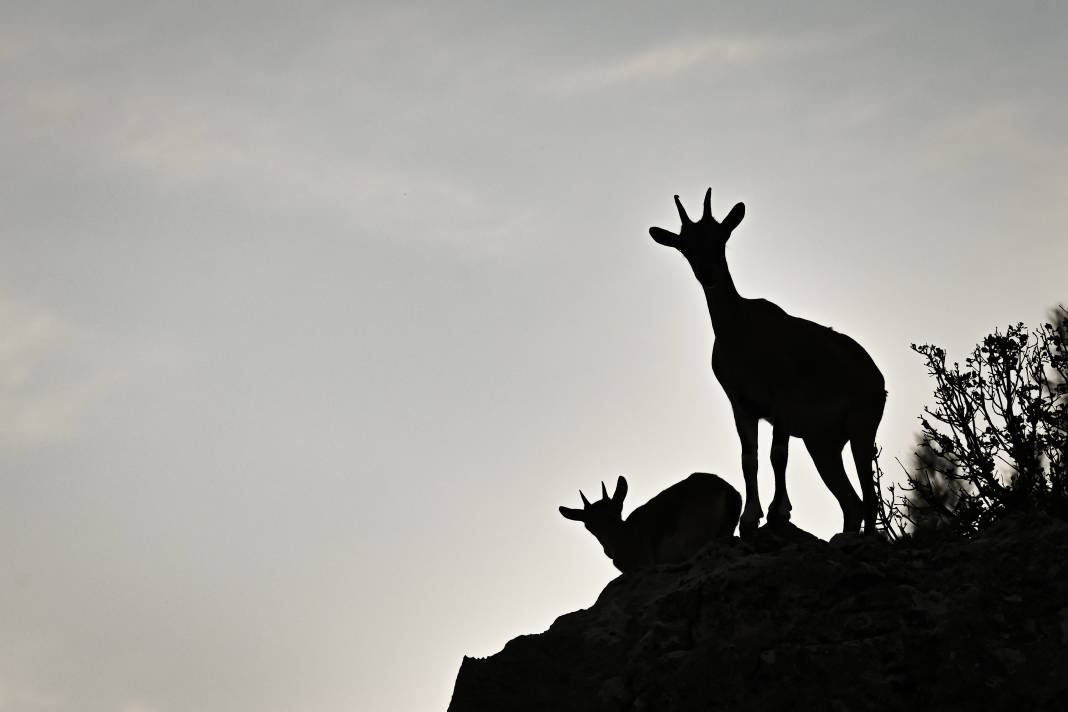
(786, 621)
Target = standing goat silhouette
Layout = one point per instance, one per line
(806, 379)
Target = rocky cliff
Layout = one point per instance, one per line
(786, 621)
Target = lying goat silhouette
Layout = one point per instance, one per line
(669, 528)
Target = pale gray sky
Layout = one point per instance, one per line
(312, 314)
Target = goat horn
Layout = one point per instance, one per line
(708, 204)
(682, 212)
(585, 502)
(604, 491)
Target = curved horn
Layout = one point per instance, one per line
(585, 502)
(708, 205)
(682, 212)
(604, 491)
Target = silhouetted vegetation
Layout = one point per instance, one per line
(995, 441)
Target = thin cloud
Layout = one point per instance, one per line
(138, 706)
(48, 380)
(28, 698)
(183, 137)
(1005, 127)
(678, 57)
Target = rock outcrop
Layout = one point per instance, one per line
(786, 621)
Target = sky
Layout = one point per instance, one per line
(312, 314)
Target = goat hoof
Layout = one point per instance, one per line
(778, 517)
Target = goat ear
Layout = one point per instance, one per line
(734, 217)
(575, 515)
(664, 237)
(621, 490)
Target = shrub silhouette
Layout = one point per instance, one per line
(995, 441)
